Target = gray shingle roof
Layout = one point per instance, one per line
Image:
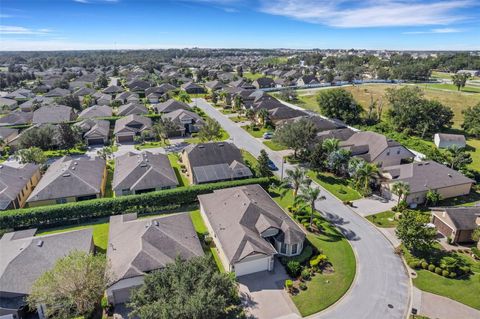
(132, 108)
(171, 105)
(96, 111)
(53, 114)
(461, 218)
(137, 246)
(238, 217)
(13, 180)
(131, 122)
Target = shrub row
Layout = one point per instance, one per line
(104, 207)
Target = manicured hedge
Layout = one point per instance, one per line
(103, 207)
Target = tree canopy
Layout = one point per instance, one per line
(297, 135)
(339, 104)
(471, 120)
(414, 232)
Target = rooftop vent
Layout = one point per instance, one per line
(40, 243)
(155, 222)
(143, 164)
(220, 145)
(449, 175)
(201, 146)
(66, 175)
(1, 166)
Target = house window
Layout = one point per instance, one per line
(61, 200)
(294, 249)
(283, 248)
(398, 151)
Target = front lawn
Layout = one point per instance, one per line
(323, 290)
(60, 153)
(153, 144)
(195, 140)
(384, 220)
(274, 146)
(258, 132)
(182, 179)
(238, 119)
(337, 186)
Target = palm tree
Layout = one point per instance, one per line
(184, 97)
(237, 103)
(331, 145)
(365, 175)
(433, 197)
(294, 179)
(309, 195)
(401, 189)
(263, 115)
(250, 114)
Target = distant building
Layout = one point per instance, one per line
(442, 140)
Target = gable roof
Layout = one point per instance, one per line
(459, 218)
(96, 111)
(52, 114)
(94, 128)
(137, 246)
(132, 108)
(171, 105)
(13, 180)
(239, 216)
(127, 121)
(143, 171)
(16, 117)
(70, 176)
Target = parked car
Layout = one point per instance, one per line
(271, 166)
(267, 135)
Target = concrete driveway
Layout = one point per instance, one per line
(372, 205)
(263, 295)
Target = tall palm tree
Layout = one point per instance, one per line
(365, 175)
(331, 145)
(401, 189)
(309, 195)
(184, 97)
(237, 103)
(294, 179)
(263, 116)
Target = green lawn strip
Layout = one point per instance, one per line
(252, 76)
(451, 87)
(474, 148)
(238, 119)
(384, 219)
(257, 133)
(182, 179)
(337, 186)
(151, 145)
(321, 294)
(108, 184)
(227, 111)
(59, 153)
(196, 140)
(466, 291)
(249, 159)
(275, 146)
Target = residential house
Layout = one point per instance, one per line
(122, 97)
(249, 228)
(139, 246)
(192, 88)
(70, 179)
(442, 140)
(307, 80)
(16, 184)
(57, 92)
(187, 122)
(103, 99)
(214, 85)
(241, 83)
(214, 162)
(341, 134)
(16, 117)
(95, 132)
(130, 126)
(424, 176)
(457, 223)
(8, 104)
(141, 173)
(25, 257)
(264, 83)
(21, 95)
(84, 91)
(113, 90)
(95, 111)
(138, 86)
(7, 135)
(377, 148)
(53, 114)
(170, 106)
(132, 108)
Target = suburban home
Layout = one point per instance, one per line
(8, 104)
(187, 122)
(16, 117)
(442, 140)
(192, 88)
(264, 83)
(25, 257)
(70, 179)
(53, 114)
(170, 106)
(113, 89)
(21, 95)
(249, 228)
(137, 173)
(341, 134)
(81, 92)
(123, 97)
(160, 90)
(214, 85)
(57, 92)
(139, 246)
(284, 112)
(214, 162)
(130, 126)
(95, 132)
(132, 108)
(154, 98)
(307, 80)
(457, 223)
(95, 111)
(241, 83)
(7, 135)
(138, 86)
(425, 176)
(16, 184)
(377, 148)
(102, 99)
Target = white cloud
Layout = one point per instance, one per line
(8, 29)
(441, 30)
(370, 13)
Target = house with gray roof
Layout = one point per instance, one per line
(457, 223)
(16, 117)
(132, 108)
(214, 162)
(130, 126)
(8, 104)
(113, 89)
(95, 131)
(57, 92)
(187, 122)
(25, 257)
(139, 246)
(424, 176)
(16, 184)
(249, 228)
(7, 135)
(264, 83)
(53, 114)
(70, 179)
(377, 148)
(171, 105)
(192, 88)
(95, 111)
(137, 173)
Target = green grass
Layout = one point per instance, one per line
(337, 186)
(249, 159)
(252, 76)
(383, 220)
(195, 140)
(227, 111)
(466, 291)
(108, 184)
(151, 145)
(182, 179)
(275, 146)
(324, 289)
(59, 153)
(474, 148)
(257, 133)
(451, 87)
(238, 119)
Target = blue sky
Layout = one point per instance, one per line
(132, 24)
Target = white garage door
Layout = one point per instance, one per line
(252, 266)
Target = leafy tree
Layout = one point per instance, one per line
(184, 97)
(87, 101)
(214, 97)
(262, 168)
(164, 128)
(289, 95)
(298, 135)
(449, 263)
(72, 287)
(263, 116)
(184, 290)
(364, 175)
(331, 145)
(68, 135)
(41, 137)
(294, 179)
(210, 131)
(337, 161)
(457, 157)
(401, 189)
(61, 83)
(101, 82)
(339, 104)
(30, 155)
(471, 120)
(237, 102)
(70, 100)
(105, 152)
(250, 114)
(432, 197)
(317, 157)
(308, 196)
(460, 79)
(476, 235)
(414, 232)
(412, 113)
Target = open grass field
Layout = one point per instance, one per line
(337, 186)
(323, 290)
(252, 76)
